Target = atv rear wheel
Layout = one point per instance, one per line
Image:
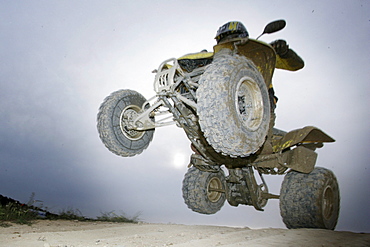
(114, 117)
(204, 192)
(310, 200)
(233, 106)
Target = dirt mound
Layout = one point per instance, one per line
(77, 234)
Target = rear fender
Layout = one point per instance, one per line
(302, 157)
(305, 135)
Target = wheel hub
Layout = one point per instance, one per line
(328, 202)
(249, 103)
(214, 189)
(126, 119)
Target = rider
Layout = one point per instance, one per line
(286, 58)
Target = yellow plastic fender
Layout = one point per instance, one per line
(307, 134)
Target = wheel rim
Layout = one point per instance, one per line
(126, 119)
(249, 103)
(328, 202)
(214, 189)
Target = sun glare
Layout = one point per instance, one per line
(179, 160)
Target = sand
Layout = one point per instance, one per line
(62, 233)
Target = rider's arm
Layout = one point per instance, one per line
(286, 58)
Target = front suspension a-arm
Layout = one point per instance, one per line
(144, 122)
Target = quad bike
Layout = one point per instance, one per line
(220, 99)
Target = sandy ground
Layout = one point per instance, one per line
(75, 234)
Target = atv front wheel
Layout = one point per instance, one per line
(204, 192)
(310, 200)
(114, 117)
(233, 106)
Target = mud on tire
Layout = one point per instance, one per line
(310, 200)
(233, 106)
(204, 192)
(112, 119)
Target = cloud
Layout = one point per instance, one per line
(60, 60)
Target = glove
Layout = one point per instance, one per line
(281, 47)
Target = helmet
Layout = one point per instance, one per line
(232, 29)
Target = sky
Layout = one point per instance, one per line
(60, 59)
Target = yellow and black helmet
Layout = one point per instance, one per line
(232, 29)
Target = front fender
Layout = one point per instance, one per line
(261, 53)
